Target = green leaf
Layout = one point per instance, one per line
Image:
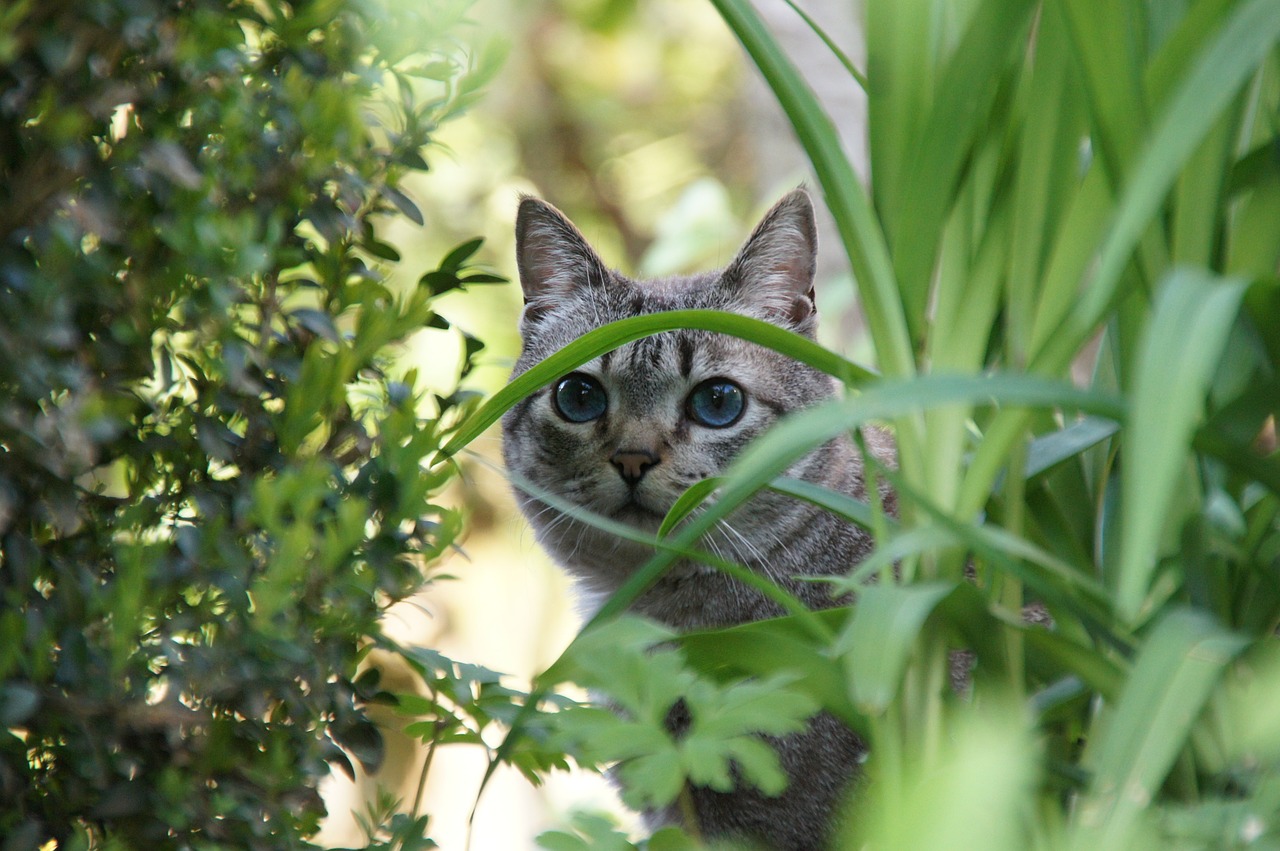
(1220, 70)
(381, 250)
(786, 644)
(482, 278)
(673, 839)
(1141, 735)
(974, 791)
(403, 204)
(644, 682)
(1058, 654)
(694, 495)
(592, 833)
(935, 154)
(1047, 172)
(1049, 450)
(597, 342)
(1183, 344)
(842, 505)
(458, 257)
(831, 45)
(748, 577)
(877, 643)
(859, 232)
(774, 451)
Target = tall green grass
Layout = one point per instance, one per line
(1061, 188)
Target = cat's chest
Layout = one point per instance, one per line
(696, 597)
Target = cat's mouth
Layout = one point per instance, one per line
(635, 514)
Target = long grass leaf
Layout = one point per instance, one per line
(958, 113)
(876, 645)
(1049, 450)
(1055, 581)
(858, 76)
(902, 50)
(1107, 42)
(694, 495)
(1047, 172)
(1182, 348)
(609, 337)
(661, 544)
(1254, 246)
(842, 505)
(1047, 649)
(772, 453)
(1220, 70)
(1131, 755)
(859, 231)
(974, 792)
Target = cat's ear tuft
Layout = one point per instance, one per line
(773, 272)
(553, 257)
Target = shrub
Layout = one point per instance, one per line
(211, 480)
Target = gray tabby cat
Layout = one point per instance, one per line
(627, 433)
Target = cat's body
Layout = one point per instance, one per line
(626, 434)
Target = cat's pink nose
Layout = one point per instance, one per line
(632, 464)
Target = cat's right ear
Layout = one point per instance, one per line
(553, 257)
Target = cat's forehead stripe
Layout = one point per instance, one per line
(686, 354)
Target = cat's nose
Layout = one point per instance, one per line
(632, 464)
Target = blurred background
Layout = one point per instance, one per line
(644, 122)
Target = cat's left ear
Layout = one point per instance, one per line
(773, 272)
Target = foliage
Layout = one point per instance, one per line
(645, 682)
(211, 480)
(597, 832)
(1068, 259)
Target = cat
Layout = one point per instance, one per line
(625, 434)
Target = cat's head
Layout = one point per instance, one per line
(625, 434)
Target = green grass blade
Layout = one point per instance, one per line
(1055, 581)
(595, 343)
(1107, 42)
(859, 231)
(1074, 248)
(1196, 106)
(772, 453)
(958, 115)
(839, 54)
(901, 39)
(1047, 649)
(1184, 342)
(877, 643)
(694, 495)
(1047, 172)
(1254, 239)
(1198, 207)
(901, 545)
(853, 510)
(1049, 450)
(1131, 755)
(976, 791)
(684, 550)
(1176, 53)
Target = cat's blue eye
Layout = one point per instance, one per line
(579, 398)
(716, 403)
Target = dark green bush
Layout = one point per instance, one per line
(211, 482)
